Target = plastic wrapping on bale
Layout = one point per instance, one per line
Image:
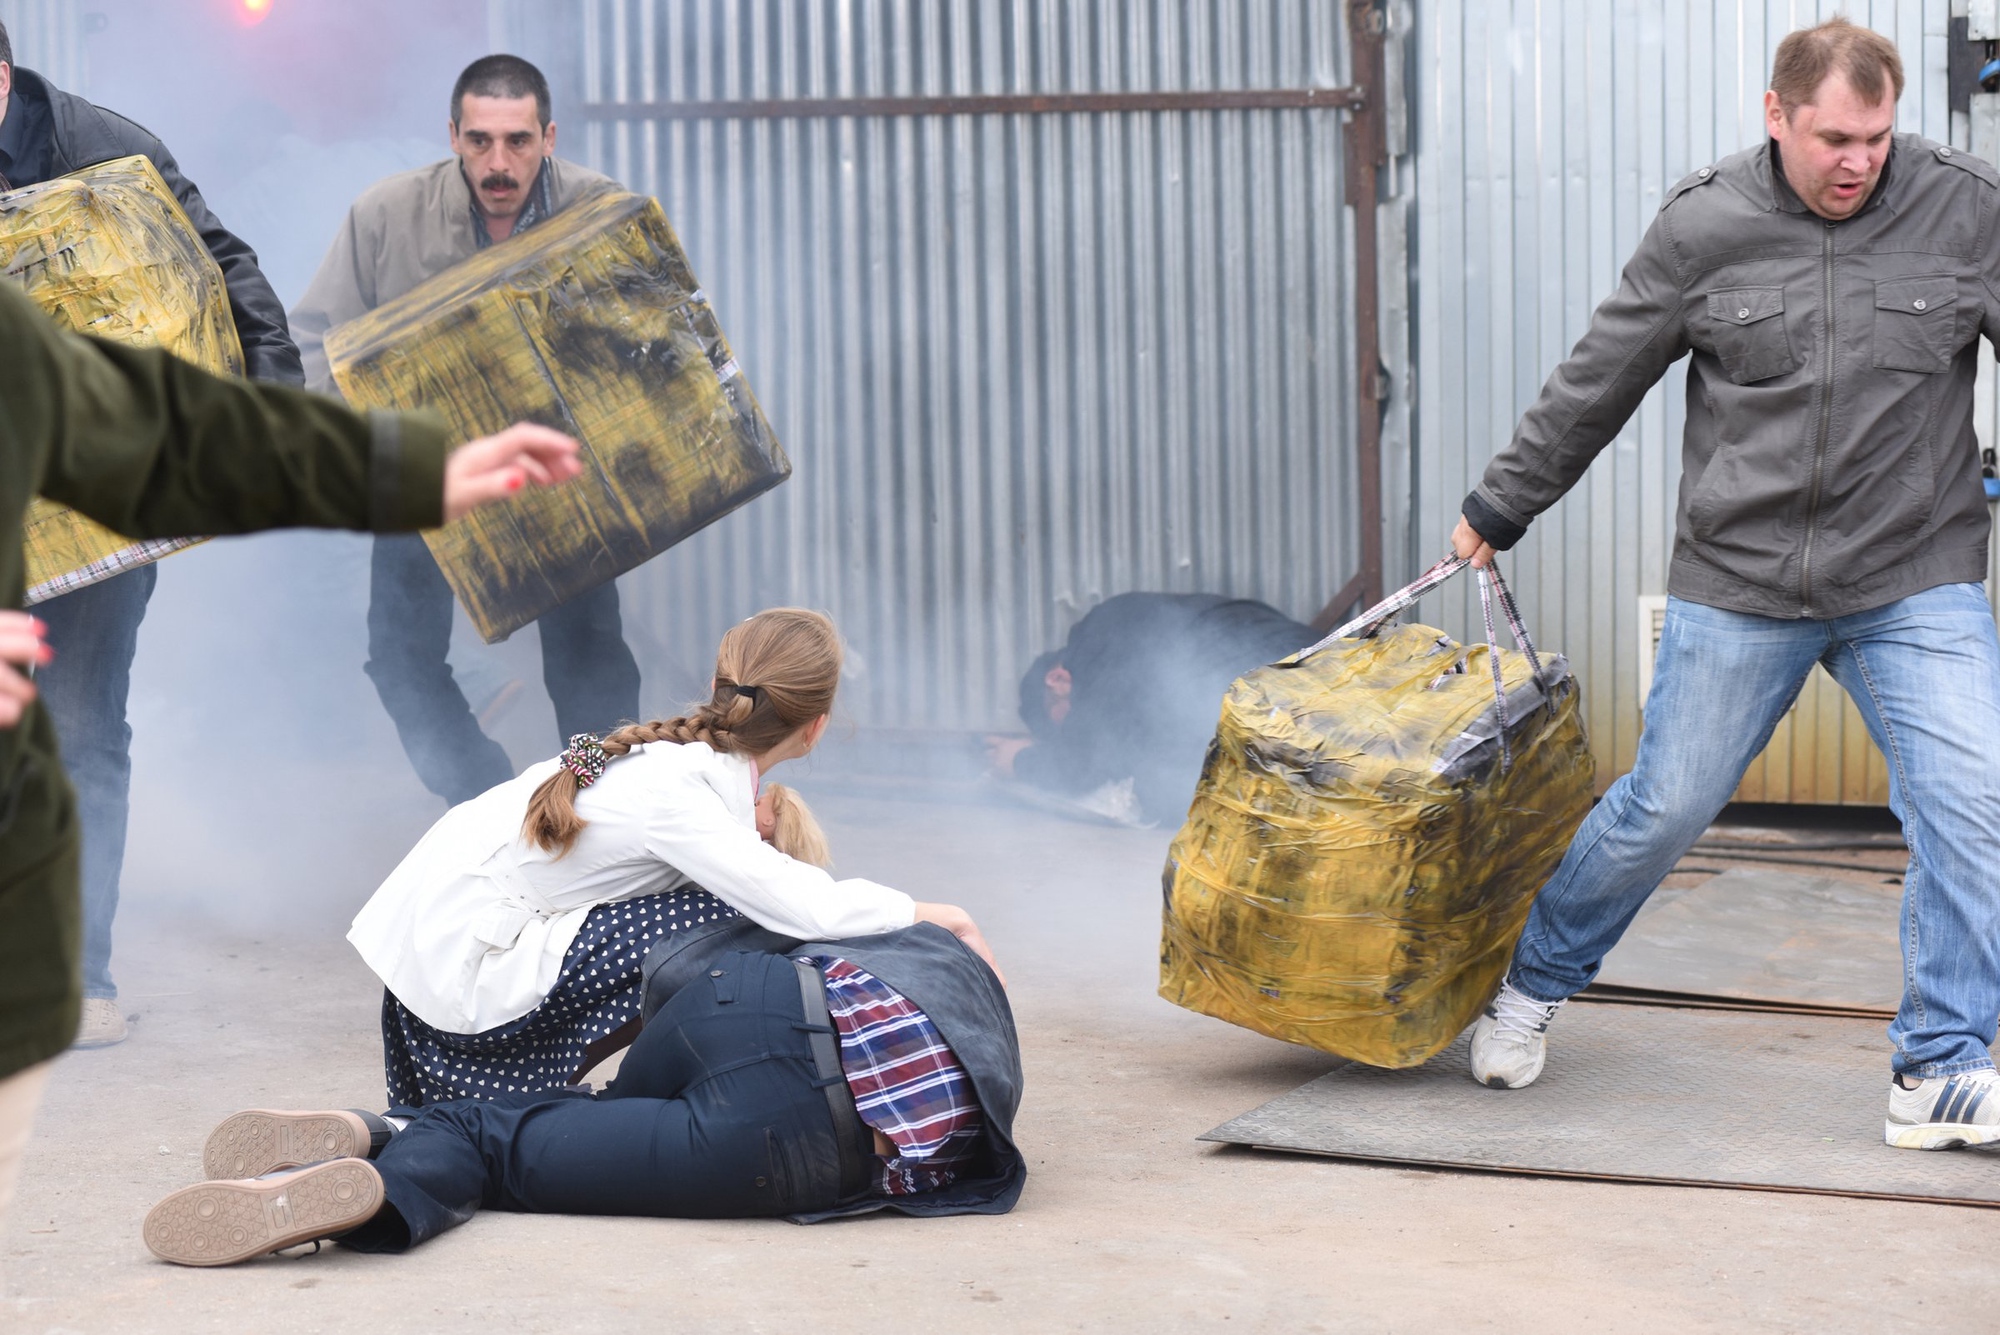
(589, 322)
(1356, 864)
(107, 251)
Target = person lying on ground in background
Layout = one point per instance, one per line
(45, 133)
(810, 1080)
(151, 447)
(510, 939)
(1133, 695)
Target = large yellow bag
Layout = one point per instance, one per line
(108, 251)
(592, 323)
(1367, 837)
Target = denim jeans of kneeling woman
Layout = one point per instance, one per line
(716, 1114)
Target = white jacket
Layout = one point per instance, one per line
(470, 930)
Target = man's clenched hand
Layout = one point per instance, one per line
(1465, 540)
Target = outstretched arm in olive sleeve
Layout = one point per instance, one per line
(1633, 338)
(153, 447)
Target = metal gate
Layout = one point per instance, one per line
(1048, 301)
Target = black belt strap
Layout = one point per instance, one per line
(848, 1131)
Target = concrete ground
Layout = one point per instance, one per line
(1128, 1223)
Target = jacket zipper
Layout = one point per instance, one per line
(1825, 426)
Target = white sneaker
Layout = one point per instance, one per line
(103, 1024)
(1944, 1112)
(1510, 1041)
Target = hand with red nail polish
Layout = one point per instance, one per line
(21, 646)
(497, 466)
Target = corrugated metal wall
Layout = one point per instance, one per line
(1546, 134)
(47, 36)
(1021, 362)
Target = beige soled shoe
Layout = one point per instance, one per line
(257, 1141)
(221, 1223)
(103, 1024)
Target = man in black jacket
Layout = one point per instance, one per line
(1135, 693)
(760, 1086)
(45, 133)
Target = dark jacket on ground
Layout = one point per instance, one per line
(152, 447)
(1828, 464)
(943, 979)
(1147, 675)
(83, 135)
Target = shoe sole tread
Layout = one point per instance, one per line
(257, 1141)
(221, 1223)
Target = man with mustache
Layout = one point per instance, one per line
(504, 177)
(1830, 287)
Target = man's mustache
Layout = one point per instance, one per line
(499, 181)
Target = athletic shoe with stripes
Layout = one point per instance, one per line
(1944, 1112)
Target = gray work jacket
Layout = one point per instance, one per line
(403, 230)
(1829, 464)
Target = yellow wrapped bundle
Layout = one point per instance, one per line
(1358, 860)
(107, 251)
(591, 323)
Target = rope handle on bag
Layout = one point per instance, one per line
(1490, 585)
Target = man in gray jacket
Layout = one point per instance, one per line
(1830, 287)
(503, 177)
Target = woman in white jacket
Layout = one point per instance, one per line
(510, 939)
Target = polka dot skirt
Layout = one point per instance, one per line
(597, 991)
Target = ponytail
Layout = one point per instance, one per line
(774, 674)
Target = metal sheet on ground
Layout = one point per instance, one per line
(1768, 936)
(1642, 1094)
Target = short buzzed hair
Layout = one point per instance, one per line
(1805, 58)
(501, 76)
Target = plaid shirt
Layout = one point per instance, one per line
(906, 1082)
(120, 561)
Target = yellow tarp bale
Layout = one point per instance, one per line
(107, 251)
(1356, 866)
(589, 322)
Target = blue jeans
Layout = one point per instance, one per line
(717, 1113)
(591, 676)
(1925, 672)
(95, 633)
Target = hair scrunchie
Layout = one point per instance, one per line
(585, 758)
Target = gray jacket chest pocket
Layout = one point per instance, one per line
(1751, 341)
(1916, 323)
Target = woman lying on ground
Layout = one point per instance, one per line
(510, 939)
(733, 1102)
